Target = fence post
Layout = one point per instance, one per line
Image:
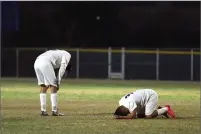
(78, 63)
(17, 62)
(191, 64)
(157, 64)
(109, 61)
(123, 63)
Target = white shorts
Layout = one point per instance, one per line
(151, 105)
(45, 73)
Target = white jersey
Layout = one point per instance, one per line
(137, 99)
(56, 57)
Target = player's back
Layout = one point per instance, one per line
(140, 97)
(143, 95)
(55, 56)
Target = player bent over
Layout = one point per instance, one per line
(44, 67)
(141, 104)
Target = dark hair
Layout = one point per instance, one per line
(122, 111)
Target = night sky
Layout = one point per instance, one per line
(75, 24)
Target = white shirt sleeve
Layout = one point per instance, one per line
(132, 106)
(65, 59)
(64, 62)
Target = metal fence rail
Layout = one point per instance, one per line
(112, 63)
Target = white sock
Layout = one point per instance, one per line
(43, 101)
(162, 110)
(54, 101)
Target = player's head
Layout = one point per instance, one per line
(122, 111)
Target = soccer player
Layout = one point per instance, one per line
(44, 66)
(141, 104)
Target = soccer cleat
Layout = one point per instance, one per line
(57, 114)
(44, 113)
(170, 111)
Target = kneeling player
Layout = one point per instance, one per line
(141, 104)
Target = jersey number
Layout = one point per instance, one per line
(128, 95)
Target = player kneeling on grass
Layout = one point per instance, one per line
(141, 104)
(44, 67)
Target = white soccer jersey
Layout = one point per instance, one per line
(56, 59)
(139, 99)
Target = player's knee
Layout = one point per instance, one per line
(152, 115)
(53, 89)
(43, 88)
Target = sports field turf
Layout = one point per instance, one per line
(88, 106)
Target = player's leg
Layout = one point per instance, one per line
(165, 114)
(151, 110)
(141, 112)
(50, 79)
(43, 88)
(43, 101)
(54, 101)
(166, 110)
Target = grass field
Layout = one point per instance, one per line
(88, 106)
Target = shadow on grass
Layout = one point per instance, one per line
(17, 118)
(178, 118)
(95, 114)
(159, 118)
(111, 114)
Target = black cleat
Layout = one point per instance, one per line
(44, 113)
(57, 114)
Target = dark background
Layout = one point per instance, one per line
(129, 24)
(74, 24)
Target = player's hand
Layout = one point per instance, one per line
(116, 116)
(69, 67)
(57, 87)
(57, 83)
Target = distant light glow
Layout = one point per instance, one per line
(97, 17)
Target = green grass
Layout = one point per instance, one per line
(88, 106)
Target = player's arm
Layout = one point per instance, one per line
(62, 69)
(132, 115)
(61, 72)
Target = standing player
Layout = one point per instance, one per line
(141, 104)
(44, 67)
